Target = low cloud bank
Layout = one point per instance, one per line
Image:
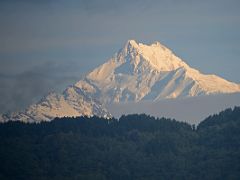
(192, 110)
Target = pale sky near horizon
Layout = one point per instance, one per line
(49, 44)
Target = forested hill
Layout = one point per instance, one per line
(133, 147)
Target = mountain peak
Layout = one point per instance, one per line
(151, 72)
(135, 43)
(130, 46)
(157, 55)
(132, 42)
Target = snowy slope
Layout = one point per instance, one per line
(73, 102)
(150, 72)
(138, 72)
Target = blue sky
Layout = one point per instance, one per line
(47, 45)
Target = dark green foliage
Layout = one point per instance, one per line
(133, 147)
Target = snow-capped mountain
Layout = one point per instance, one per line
(136, 73)
(149, 72)
(72, 102)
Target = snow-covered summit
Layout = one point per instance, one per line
(160, 57)
(139, 71)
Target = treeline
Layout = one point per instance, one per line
(133, 147)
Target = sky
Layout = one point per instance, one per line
(50, 44)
